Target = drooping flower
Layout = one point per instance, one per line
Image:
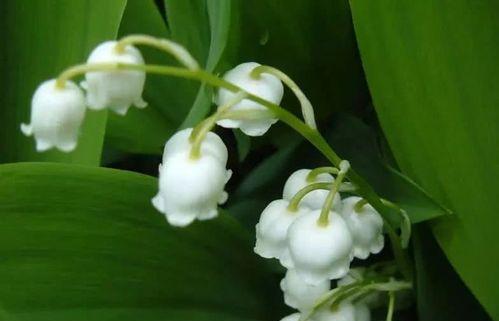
(191, 188)
(265, 86)
(300, 295)
(56, 116)
(212, 145)
(116, 89)
(272, 228)
(366, 227)
(315, 199)
(319, 252)
(292, 317)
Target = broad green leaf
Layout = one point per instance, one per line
(433, 73)
(441, 294)
(81, 243)
(42, 38)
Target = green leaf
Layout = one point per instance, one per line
(358, 143)
(441, 294)
(433, 73)
(80, 243)
(41, 38)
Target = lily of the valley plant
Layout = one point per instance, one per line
(327, 216)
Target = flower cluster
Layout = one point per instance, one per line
(58, 106)
(313, 231)
(315, 234)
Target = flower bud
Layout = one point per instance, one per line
(300, 295)
(319, 252)
(272, 229)
(56, 116)
(315, 199)
(190, 189)
(212, 145)
(117, 89)
(366, 227)
(292, 317)
(265, 86)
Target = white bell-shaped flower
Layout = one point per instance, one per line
(292, 317)
(373, 299)
(300, 295)
(265, 86)
(366, 227)
(56, 116)
(212, 145)
(272, 229)
(191, 189)
(315, 199)
(319, 252)
(117, 89)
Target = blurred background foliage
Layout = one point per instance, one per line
(82, 242)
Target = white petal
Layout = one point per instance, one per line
(319, 252)
(117, 90)
(211, 145)
(266, 86)
(56, 116)
(300, 295)
(190, 189)
(366, 227)
(272, 229)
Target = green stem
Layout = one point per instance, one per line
(391, 306)
(177, 51)
(312, 135)
(320, 170)
(306, 107)
(326, 208)
(405, 226)
(248, 114)
(358, 206)
(199, 133)
(295, 201)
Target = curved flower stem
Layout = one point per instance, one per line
(391, 306)
(306, 107)
(335, 186)
(312, 135)
(359, 205)
(295, 201)
(320, 170)
(405, 226)
(177, 51)
(199, 133)
(247, 114)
